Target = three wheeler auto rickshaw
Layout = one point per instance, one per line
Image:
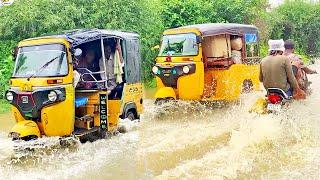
(207, 62)
(60, 84)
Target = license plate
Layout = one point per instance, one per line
(274, 107)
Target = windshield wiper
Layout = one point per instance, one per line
(44, 66)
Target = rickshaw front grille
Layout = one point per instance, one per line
(30, 103)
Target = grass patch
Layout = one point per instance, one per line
(4, 106)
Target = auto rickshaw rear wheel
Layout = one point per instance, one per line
(247, 86)
(131, 116)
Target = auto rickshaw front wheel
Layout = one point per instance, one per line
(25, 130)
(25, 138)
(161, 101)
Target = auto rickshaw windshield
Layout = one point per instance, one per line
(41, 61)
(179, 45)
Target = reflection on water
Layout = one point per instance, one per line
(186, 140)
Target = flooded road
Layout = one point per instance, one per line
(188, 141)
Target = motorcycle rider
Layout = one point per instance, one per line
(276, 71)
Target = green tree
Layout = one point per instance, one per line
(32, 18)
(238, 11)
(299, 20)
(175, 13)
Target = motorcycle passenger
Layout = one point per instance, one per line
(298, 67)
(290, 52)
(276, 71)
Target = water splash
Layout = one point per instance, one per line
(188, 140)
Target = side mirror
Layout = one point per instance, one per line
(157, 47)
(198, 39)
(14, 53)
(77, 53)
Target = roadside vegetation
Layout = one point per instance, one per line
(4, 106)
(30, 18)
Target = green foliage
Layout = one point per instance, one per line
(4, 106)
(300, 21)
(31, 18)
(152, 83)
(177, 13)
(238, 11)
(6, 67)
(264, 50)
(306, 59)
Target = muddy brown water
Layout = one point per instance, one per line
(187, 140)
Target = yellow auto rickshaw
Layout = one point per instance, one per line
(207, 62)
(61, 84)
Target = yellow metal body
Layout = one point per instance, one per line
(92, 109)
(165, 92)
(227, 84)
(26, 128)
(206, 84)
(59, 119)
(132, 93)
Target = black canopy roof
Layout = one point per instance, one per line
(220, 28)
(80, 36)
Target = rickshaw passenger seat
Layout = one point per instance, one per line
(81, 101)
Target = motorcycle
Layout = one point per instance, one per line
(276, 99)
(273, 102)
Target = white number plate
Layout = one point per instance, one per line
(274, 107)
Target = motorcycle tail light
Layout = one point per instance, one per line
(274, 98)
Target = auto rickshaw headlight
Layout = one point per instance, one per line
(9, 96)
(52, 96)
(155, 69)
(185, 69)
